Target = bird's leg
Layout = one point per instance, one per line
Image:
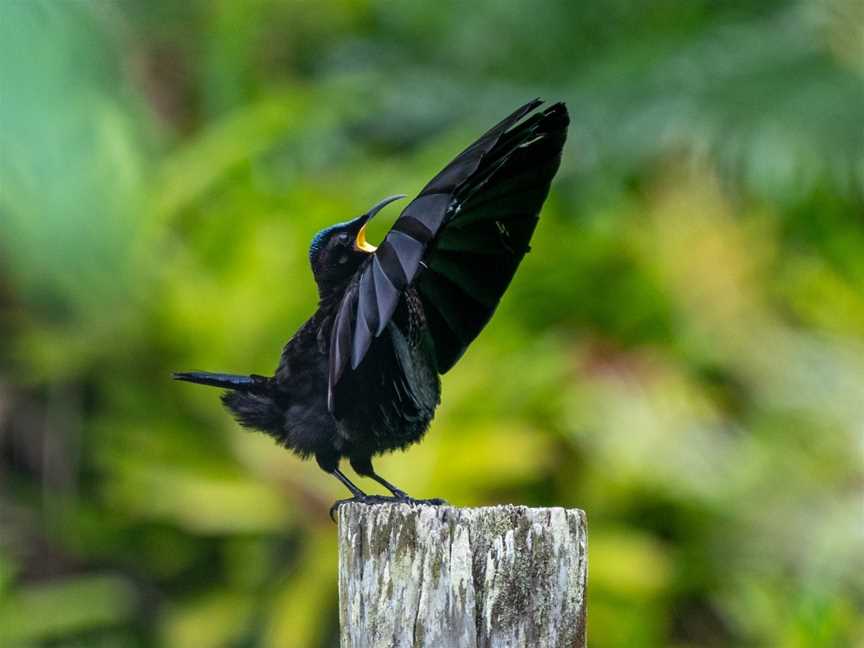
(363, 466)
(397, 492)
(401, 495)
(351, 486)
(357, 494)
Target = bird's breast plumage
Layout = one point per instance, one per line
(388, 401)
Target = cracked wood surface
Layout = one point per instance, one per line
(412, 576)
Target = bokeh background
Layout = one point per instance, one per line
(682, 355)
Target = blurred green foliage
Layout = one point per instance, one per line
(682, 355)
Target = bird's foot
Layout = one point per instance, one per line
(383, 499)
(435, 501)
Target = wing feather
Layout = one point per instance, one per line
(386, 294)
(459, 242)
(408, 250)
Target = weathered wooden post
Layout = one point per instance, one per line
(437, 576)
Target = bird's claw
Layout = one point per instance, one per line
(383, 499)
(435, 501)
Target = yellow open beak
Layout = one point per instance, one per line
(361, 244)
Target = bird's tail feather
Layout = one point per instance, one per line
(225, 381)
(258, 411)
(250, 398)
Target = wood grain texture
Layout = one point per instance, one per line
(412, 576)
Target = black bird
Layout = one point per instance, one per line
(360, 377)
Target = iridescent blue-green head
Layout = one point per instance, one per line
(337, 252)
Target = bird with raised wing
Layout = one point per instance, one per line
(361, 376)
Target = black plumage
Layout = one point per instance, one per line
(361, 376)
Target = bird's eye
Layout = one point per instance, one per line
(343, 238)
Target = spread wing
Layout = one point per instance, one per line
(458, 243)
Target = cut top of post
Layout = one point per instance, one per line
(413, 576)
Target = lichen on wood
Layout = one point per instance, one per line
(412, 576)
